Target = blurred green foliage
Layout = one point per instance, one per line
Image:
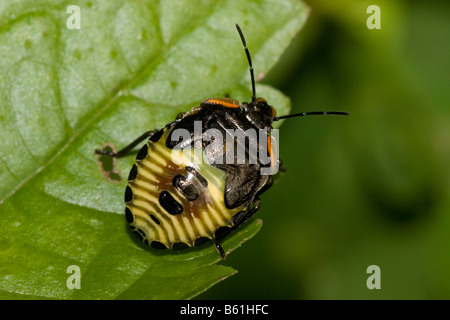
(372, 188)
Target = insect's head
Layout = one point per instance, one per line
(259, 112)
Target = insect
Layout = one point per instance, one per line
(174, 202)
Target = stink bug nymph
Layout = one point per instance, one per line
(174, 202)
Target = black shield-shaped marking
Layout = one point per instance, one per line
(241, 184)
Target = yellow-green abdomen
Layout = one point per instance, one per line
(175, 198)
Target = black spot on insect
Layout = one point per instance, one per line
(155, 219)
(200, 241)
(179, 246)
(156, 136)
(128, 194)
(157, 245)
(142, 153)
(107, 165)
(128, 215)
(139, 234)
(169, 203)
(221, 232)
(133, 173)
(199, 177)
(185, 187)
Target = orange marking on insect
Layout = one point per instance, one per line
(269, 149)
(225, 102)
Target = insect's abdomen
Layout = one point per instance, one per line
(175, 204)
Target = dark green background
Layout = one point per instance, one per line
(372, 188)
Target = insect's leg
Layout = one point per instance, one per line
(243, 216)
(138, 140)
(238, 220)
(129, 147)
(219, 248)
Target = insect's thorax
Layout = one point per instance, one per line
(207, 118)
(232, 142)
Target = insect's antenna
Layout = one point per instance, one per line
(312, 113)
(252, 76)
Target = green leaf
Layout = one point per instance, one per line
(131, 67)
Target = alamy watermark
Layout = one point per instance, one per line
(74, 20)
(374, 21)
(74, 280)
(374, 280)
